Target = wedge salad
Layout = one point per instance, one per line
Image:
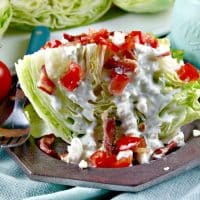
(117, 99)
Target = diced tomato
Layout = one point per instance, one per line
(188, 72)
(102, 159)
(98, 159)
(131, 39)
(128, 143)
(44, 83)
(109, 133)
(72, 77)
(52, 44)
(118, 83)
(126, 65)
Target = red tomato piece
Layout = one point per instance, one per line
(101, 159)
(188, 72)
(72, 77)
(118, 83)
(128, 143)
(98, 159)
(44, 83)
(109, 133)
(5, 80)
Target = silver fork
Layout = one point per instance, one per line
(16, 129)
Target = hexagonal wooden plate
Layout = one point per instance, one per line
(39, 166)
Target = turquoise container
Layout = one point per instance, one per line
(185, 29)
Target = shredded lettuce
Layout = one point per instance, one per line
(143, 6)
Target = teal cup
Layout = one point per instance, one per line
(185, 29)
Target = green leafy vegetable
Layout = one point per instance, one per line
(143, 6)
(56, 14)
(178, 54)
(5, 15)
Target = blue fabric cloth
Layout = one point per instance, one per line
(15, 185)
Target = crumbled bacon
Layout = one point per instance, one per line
(45, 83)
(160, 152)
(45, 144)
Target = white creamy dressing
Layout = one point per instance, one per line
(145, 95)
(118, 38)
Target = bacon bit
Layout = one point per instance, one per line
(52, 44)
(167, 53)
(152, 41)
(45, 83)
(109, 133)
(141, 127)
(160, 152)
(45, 144)
(126, 65)
(128, 143)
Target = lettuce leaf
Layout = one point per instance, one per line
(184, 107)
(57, 14)
(143, 6)
(5, 15)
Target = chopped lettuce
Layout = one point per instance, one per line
(143, 6)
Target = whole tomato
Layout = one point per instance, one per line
(5, 80)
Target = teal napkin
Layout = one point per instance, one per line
(15, 185)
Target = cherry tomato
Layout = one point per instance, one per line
(118, 83)
(128, 143)
(5, 80)
(72, 77)
(188, 73)
(45, 83)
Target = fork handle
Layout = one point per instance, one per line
(39, 36)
